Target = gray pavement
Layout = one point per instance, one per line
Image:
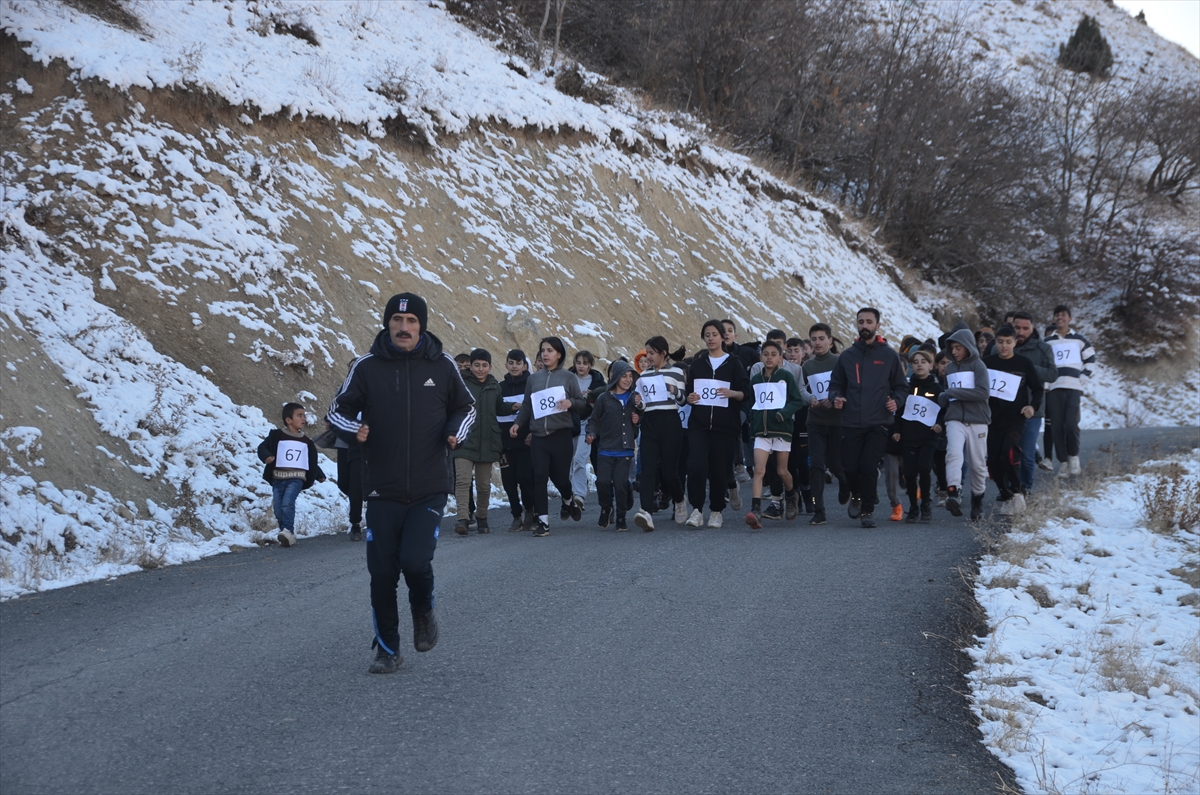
(790, 659)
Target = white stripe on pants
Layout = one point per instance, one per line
(972, 438)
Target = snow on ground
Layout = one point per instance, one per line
(1089, 679)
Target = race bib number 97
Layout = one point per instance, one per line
(545, 401)
(1066, 354)
(707, 388)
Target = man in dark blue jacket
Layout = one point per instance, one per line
(415, 408)
(868, 384)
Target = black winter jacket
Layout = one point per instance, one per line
(270, 445)
(866, 375)
(412, 402)
(513, 387)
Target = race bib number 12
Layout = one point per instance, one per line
(1004, 385)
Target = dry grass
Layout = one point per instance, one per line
(1171, 501)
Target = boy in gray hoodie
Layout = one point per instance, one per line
(967, 416)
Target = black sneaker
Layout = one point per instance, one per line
(808, 501)
(913, 515)
(356, 533)
(541, 529)
(855, 509)
(425, 630)
(605, 517)
(843, 493)
(952, 503)
(817, 518)
(576, 508)
(976, 507)
(622, 527)
(564, 512)
(926, 514)
(384, 663)
(773, 511)
(866, 519)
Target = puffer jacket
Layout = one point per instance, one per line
(485, 443)
(544, 379)
(968, 406)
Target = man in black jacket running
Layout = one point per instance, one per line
(867, 384)
(406, 404)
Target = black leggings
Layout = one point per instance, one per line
(662, 437)
(518, 479)
(918, 464)
(710, 463)
(552, 456)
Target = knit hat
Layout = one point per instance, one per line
(481, 355)
(408, 303)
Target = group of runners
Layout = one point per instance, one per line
(790, 413)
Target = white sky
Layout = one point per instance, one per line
(1176, 20)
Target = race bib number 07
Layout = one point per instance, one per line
(921, 409)
(769, 397)
(545, 401)
(1005, 386)
(707, 388)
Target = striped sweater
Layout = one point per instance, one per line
(1069, 350)
(674, 376)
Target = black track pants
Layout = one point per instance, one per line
(662, 439)
(552, 456)
(862, 450)
(824, 452)
(401, 538)
(710, 463)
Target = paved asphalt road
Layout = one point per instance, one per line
(790, 659)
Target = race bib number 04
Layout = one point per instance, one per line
(653, 389)
(707, 388)
(291, 455)
(769, 396)
(1004, 385)
(545, 401)
(921, 409)
(1066, 354)
(818, 385)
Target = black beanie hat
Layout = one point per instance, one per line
(408, 303)
(481, 354)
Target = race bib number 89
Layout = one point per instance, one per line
(707, 388)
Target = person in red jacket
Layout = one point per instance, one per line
(868, 384)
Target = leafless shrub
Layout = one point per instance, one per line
(574, 82)
(113, 12)
(1171, 502)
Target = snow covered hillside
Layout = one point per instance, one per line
(206, 204)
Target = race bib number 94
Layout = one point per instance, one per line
(653, 389)
(769, 397)
(707, 388)
(291, 455)
(1004, 385)
(545, 401)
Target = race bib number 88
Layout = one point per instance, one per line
(545, 401)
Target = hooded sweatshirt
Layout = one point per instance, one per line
(970, 405)
(866, 375)
(544, 379)
(612, 418)
(726, 419)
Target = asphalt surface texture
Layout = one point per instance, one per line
(794, 658)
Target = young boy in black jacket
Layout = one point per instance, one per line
(612, 428)
(291, 467)
(1017, 392)
(919, 429)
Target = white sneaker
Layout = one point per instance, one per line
(1073, 463)
(734, 499)
(681, 514)
(740, 474)
(696, 519)
(1018, 503)
(644, 521)
(715, 520)
(1004, 507)
(286, 538)
(1064, 470)
(1046, 464)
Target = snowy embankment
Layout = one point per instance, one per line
(1089, 678)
